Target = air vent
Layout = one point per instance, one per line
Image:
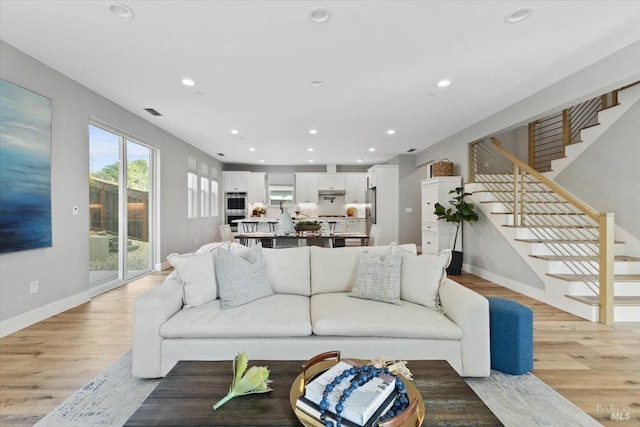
(221, 154)
(411, 150)
(152, 112)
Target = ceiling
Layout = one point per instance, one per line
(253, 63)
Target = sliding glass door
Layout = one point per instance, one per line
(120, 207)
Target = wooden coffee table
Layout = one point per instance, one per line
(186, 395)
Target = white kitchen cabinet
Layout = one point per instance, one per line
(331, 182)
(257, 187)
(306, 188)
(235, 182)
(355, 188)
(351, 225)
(438, 235)
(363, 226)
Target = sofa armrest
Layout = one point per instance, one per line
(150, 311)
(470, 311)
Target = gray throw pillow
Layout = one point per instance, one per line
(241, 278)
(379, 279)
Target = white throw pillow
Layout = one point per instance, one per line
(422, 277)
(197, 275)
(231, 246)
(242, 278)
(378, 278)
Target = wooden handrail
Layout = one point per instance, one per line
(587, 210)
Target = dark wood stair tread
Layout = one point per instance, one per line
(594, 277)
(540, 213)
(618, 258)
(528, 201)
(550, 226)
(617, 300)
(554, 241)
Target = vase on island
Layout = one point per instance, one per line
(285, 223)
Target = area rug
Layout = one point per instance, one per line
(114, 395)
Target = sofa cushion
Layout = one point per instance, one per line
(422, 277)
(242, 278)
(289, 270)
(334, 270)
(234, 247)
(378, 278)
(197, 276)
(278, 315)
(338, 314)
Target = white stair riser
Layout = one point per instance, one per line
(558, 234)
(572, 249)
(619, 289)
(571, 267)
(578, 220)
(626, 314)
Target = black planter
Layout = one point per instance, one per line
(455, 268)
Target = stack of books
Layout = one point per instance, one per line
(362, 408)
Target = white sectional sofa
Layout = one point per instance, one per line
(310, 312)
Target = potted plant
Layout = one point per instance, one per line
(459, 212)
(302, 226)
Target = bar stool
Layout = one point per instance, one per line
(250, 227)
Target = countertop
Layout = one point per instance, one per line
(319, 219)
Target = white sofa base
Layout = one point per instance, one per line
(304, 348)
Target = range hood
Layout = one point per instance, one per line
(331, 192)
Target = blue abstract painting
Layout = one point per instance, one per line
(25, 169)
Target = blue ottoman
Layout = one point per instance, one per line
(511, 330)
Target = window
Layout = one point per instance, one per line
(214, 192)
(192, 188)
(205, 189)
(121, 206)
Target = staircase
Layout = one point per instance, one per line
(566, 243)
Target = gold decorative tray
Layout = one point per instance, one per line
(313, 369)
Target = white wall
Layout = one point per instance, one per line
(606, 176)
(62, 269)
(410, 223)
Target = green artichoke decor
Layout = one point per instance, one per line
(254, 380)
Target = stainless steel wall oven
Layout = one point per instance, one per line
(236, 208)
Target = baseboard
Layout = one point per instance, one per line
(514, 285)
(29, 318)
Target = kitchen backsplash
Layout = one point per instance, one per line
(323, 208)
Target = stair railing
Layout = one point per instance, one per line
(550, 215)
(549, 136)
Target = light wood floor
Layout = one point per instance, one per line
(596, 367)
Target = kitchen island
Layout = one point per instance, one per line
(265, 224)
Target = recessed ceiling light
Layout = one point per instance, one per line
(252, 149)
(313, 131)
(309, 149)
(121, 10)
(261, 160)
(234, 131)
(372, 149)
(359, 160)
(444, 83)
(188, 82)
(317, 83)
(391, 132)
(310, 160)
(319, 15)
(518, 15)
